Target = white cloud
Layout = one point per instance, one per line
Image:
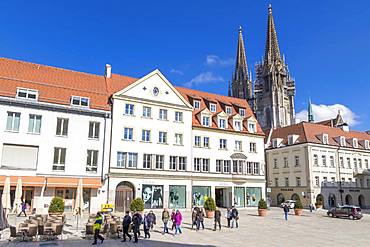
(204, 77)
(176, 71)
(216, 60)
(325, 112)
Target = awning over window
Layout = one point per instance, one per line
(238, 156)
(39, 181)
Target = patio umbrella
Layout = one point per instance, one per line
(3, 220)
(18, 195)
(79, 201)
(5, 197)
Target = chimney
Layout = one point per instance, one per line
(368, 132)
(108, 71)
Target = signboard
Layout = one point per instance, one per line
(268, 190)
(107, 208)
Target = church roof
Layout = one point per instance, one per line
(272, 50)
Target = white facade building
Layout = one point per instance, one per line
(170, 147)
(317, 162)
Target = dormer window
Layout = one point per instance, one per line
(80, 101)
(342, 141)
(274, 143)
(355, 143)
(25, 93)
(228, 110)
(242, 112)
(212, 107)
(325, 139)
(222, 123)
(205, 121)
(238, 125)
(251, 127)
(196, 104)
(367, 144)
(290, 140)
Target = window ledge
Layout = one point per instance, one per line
(63, 136)
(127, 140)
(32, 133)
(12, 131)
(180, 122)
(223, 149)
(129, 115)
(162, 143)
(179, 145)
(93, 139)
(162, 119)
(149, 118)
(145, 141)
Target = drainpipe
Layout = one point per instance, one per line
(340, 178)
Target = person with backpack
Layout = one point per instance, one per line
(126, 222)
(234, 217)
(286, 209)
(194, 218)
(137, 219)
(152, 219)
(97, 226)
(217, 219)
(178, 221)
(200, 218)
(165, 219)
(146, 226)
(173, 214)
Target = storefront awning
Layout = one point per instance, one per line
(73, 182)
(26, 180)
(238, 156)
(39, 181)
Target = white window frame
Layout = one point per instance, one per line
(163, 114)
(121, 159)
(147, 112)
(206, 121)
(92, 160)
(238, 145)
(179, 139)
(179, 117)
(252, 127)
(238, 125)
(80, 100)
(59, 164)
(147, 161)
(342, 141)
(222, 123)
(197, 164)
(162, 137)
(242, 112)
(64, 124)
(223, 144)
(253, 147)
(197, 141)
(159, 162)
(212, 107)
(196, 104)
(132, 159)
(129, 134)
(33, 118)
(27, 93)
(145, 135)
(325, 139)
(94, 128)
(228, 110)
(129, 109)
(182, 163)
(14, 126)
(206, 143)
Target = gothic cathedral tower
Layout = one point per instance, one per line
(274, 88)
(241, 86)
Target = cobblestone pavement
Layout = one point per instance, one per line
(311, 229)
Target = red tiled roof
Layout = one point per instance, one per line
(57, 85)
(310, 133)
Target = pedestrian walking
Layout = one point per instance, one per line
(178, 220)
(97, 226)
(286, 209)
(200, 218)
(152, 219)
(194, 218)
(136, 221)
(165, 219)
(126, 222)
(173, 219)
(146, 226)
(23, 209)
(234, 217)
(217, 219)
(228, 217)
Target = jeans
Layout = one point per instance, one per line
(219, 224)
(147, 233)
(286, 215)
(165, 227)
(234, 223)
(178, 229)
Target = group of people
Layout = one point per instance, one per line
(148, 220)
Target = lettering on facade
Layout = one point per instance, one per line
(285, 189)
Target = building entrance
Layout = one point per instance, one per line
(223, 197)
(124, 195)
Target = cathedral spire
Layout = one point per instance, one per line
(241, 86)
(272, 51)
(310, 112)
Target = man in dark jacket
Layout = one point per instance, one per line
(286, 211)
(234, 217)
(200, 219)
(136, 221)
(126, 225)
(194, 218)
(152, 219)
(217, 219)
(146, 226)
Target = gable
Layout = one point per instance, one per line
(156, 88)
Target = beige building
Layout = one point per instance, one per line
(319, 161)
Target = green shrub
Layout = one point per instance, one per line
(298, 204)
(262, 204)
(137, 205)
(210, 204)
(56, 205)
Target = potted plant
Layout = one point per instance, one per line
(210, 207)
(262, 207)
(137, 205)
(298, 207)
(56, 206)
(318, 204)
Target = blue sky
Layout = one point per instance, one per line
(326, 43)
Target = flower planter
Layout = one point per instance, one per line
(210, 214)
(298, 212)
(262, 212)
